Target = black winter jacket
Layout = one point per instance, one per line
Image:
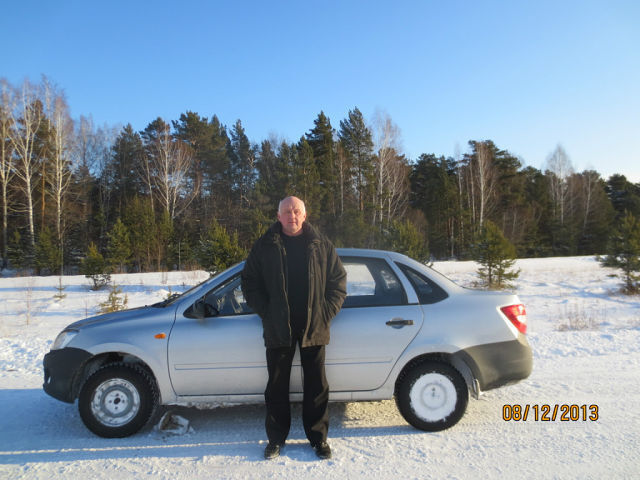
(264, 281)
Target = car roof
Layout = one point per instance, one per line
(368, 252)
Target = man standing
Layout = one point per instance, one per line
(294, 280)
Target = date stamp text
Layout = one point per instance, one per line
(550, 413)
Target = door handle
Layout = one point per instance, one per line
(399, 322)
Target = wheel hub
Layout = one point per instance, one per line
(433, 397)
(115, 402)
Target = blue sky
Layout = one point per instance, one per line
(528, 75)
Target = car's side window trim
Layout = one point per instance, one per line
(377, 277)
(437, 293)
(220, 286)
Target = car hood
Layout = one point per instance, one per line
(113, 317)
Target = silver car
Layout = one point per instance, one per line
(404, 331)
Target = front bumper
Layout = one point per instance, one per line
(60, 370)
(497, 364)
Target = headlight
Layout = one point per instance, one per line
(63, 339)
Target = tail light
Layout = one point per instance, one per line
(518, 316)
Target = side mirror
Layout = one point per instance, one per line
(202, 310)
(199, 309)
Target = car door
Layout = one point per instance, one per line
(376, 324)
(224, 353)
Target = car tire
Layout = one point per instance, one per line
(432, 396)
(117, 400)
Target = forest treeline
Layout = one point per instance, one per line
(195, 193)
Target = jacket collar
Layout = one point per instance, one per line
(274, 233)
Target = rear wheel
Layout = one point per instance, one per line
(432, 396)
(117, 400)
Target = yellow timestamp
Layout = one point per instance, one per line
(550, 413)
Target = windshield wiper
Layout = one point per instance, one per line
(167, 300)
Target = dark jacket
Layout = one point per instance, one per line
(264, 281)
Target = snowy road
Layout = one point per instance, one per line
(43, 438)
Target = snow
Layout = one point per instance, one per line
(595, 364)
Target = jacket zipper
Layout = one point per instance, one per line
(285, 282)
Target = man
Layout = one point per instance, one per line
(294, 280)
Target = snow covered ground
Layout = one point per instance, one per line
(597, 363)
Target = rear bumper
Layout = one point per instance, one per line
(60, 370)
(497, 364)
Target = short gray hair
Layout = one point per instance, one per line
(304, 208)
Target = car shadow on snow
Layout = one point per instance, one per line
(39, 429)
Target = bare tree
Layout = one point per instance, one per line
(58, 176)
(342, 173)
(145, 166)
(559, 169)
(84, 161)
(397, 187)
(7, 172)
(99, 157)
(170, 163)
(92, 155)
(485, 179)
(27, 118)
(386, 144)
(584, 188)
(460, 218)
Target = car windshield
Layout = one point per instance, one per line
(175, 296)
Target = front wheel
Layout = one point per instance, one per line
(432, 396)
(117, 400)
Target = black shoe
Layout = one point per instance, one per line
(323, 451)
(272, 450)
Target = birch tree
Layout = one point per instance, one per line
(87, 159)
(386, 144)
(397, 187)
(167, 171)
(58, 176)
(27, 118)
(7, 172)
(485, 179)
(559, 169)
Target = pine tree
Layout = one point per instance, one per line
(218, 250)
(624, 195)
(119, 246)
(95, 267)
(539, 214)
(306, 178)
(115, 302)
(625, 253)
(496, 255)
(16, 251)
(320, 138)
(357, 142)
(200, 135)
(162, 239)
(123, 177)
(242, 172)
(140, 222)
(434, 192)
(274, 176)
(405, 238)
(48, 258)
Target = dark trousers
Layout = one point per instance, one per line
(315, 411)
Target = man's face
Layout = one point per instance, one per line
(292, 215)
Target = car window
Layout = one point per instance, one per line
(371, 282)
(228, 299)
(427, 290)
